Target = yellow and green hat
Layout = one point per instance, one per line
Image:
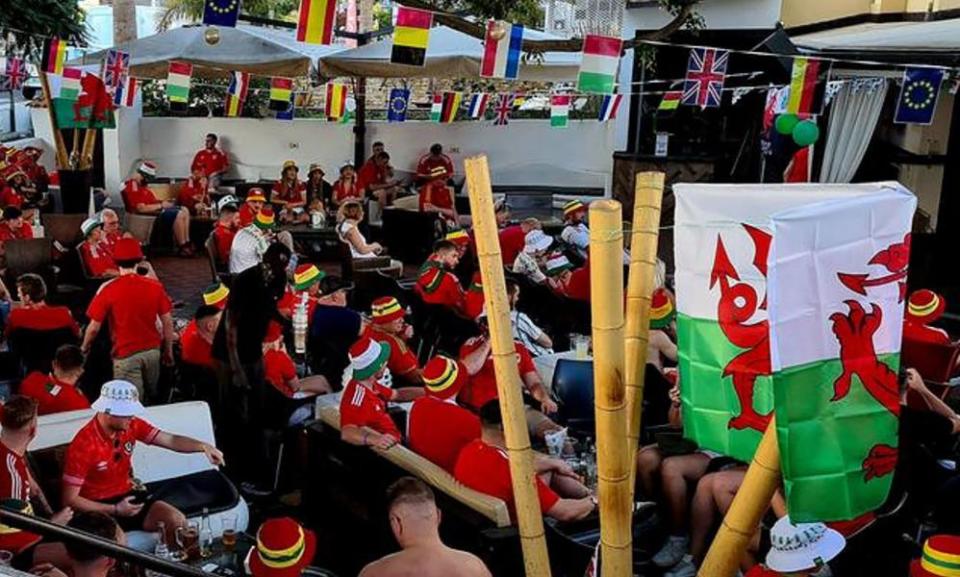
(443, 377)
(458, 237)
(284, 549)
(216, 295)
(572, 207)
(662, 310)
(941, 558)
(386, 310)
(307, 275)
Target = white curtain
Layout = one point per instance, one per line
(853, 118)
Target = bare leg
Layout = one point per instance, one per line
(181, 227)
(167, 514)
(702, 516)
(569, 487)
(675, 473)
(315, 384)
(648, 469)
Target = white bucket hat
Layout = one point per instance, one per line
(536, 240)
(119, 399)
(802, 546)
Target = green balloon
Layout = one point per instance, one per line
(785, 123)
(806, 133)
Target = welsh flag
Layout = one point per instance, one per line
(790, 301)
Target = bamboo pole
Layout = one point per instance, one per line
(613, 461)
(748, 507)
(529, 517)
(63, 161)
(648, 194)
(90, 135)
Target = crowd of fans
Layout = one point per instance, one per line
(428, 346)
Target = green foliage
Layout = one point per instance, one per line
(526, 12)
(26, 24)
(193, 10)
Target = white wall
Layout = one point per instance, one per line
(121, 148)
(524, 152)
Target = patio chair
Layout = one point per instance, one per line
(28, 255)
(141, 227)
(63, 228)
(213, 258)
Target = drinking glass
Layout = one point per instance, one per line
(229, 536)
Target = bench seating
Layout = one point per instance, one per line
(490, 507)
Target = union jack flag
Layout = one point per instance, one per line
(14, 74)
(504, 107)
(116, 68)
(706, 70)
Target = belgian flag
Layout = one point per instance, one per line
(410, 36)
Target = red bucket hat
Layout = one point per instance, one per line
(925, 306)
(284, 549)
(940, 558)
(443, 377)
(127, 249)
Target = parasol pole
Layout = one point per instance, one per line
(747, 509)
(529, 516)
(63, 160)
(614, 463)
(648, 194)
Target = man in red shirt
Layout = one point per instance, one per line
(374, 179)
(58, 392)
(34, 313)
(363, 405)
(438, 428)
(434, 165)
(389, 326)
(97, 468)
(111, 228)
(228, 223)
(513, 238)
(133, 303)
(196, 340)
(193, 193)
(280, 372)
(567, 282)
(483, 466)
(139, 199)
(211, 161)
(436, 284)
(252, 206)
(95, 252)
(473, 300)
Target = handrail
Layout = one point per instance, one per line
(108, 548)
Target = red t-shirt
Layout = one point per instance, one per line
(289, 195)
(6, 233)
(96, 258)
(52, 394)
(578, 288)
(437, 286)
(473, 302)
(437, 194)
(438, 430)
(210, 161)
(223, 236)
(402, 360)
(110, 240)
(100, 464)
(362, 407)
(278, 369)
(428, 162)
(924, 334)
(369, 174)
(10, 197)
(482, 387)
(194, 349)
(135, 194)
(42, 318)
(343, 191)
(512, 241)
(487, 469)
(133, 304)
(188, 193)
(14, 484)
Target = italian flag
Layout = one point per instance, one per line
(178, 81)
(436, 107)
(598, 64)
(790, 302)
(70, 83)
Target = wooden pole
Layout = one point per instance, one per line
(648, 194)
(90, 135)
(529, 517)
(748, 507)
(613, 461)
(63, 161)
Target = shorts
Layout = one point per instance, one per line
(136, 522)
(165, 219)
(142, 369)
(23, 561)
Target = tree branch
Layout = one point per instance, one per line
(561, 45)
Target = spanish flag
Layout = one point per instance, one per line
(280, 90)
(411, 36)
(808, 83)
(317, 17)
(54, 54)
(336, 101)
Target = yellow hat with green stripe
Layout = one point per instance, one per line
(284, 549)
(572, 207)
(216, 295)
(307, 275)
(940, 558)
(386, 310)
(443, 377)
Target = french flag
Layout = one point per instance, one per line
(609, 106)
(478, 105)
(501, 57)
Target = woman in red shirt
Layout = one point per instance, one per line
(97, 258)
(346, 187)
(290, 194)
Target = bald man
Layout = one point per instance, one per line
(415, 521)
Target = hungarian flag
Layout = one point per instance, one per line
(70, 83)
(436, 107)
(336, 101)
(559, 110)
(280, 91)
(790, 301)
(609, 106)
(598, 64)
(411, 34)
(501, 57)
(449, 106)
(808, 83)
(54, 54)
(317, 18)
(237, 93)
(178, 84)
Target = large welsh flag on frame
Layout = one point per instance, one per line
(790, 300)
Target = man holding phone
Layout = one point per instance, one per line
(97, 471)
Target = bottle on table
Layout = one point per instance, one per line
(206, 534)
(300, 325)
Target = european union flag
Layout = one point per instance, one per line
(221, 12)
(397, 107)
(919, 95)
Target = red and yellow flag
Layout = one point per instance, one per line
(807, 86)
(316, 21)
(336, 100)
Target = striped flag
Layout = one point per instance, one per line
(54, 54)
(436, 107)
(280, 91)
(178, 84)
(598, 67)
(125, 94)
(335, 105)
(706, 72)
(14, 74)
(808, 83)
(349, 110)
(70, 83)
(501, 58)
(411, 36)
(504, 107)
(671, 100)
(609, 106)
(237, 93)
(478, 105)
(449, 106)
(559, 110)
(317, 18)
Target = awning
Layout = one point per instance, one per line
(920, 37)
(450, 54)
